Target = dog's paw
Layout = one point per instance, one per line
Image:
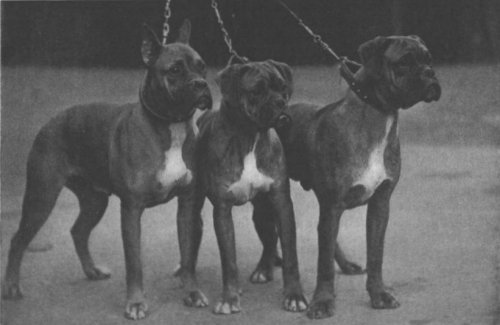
(96, 273)
(11, 292)
(196, 299)
(295, 303)
(228, 306)
(321, 308)
(383, 300)
(350, 268)
(136, 310)
(262, 275)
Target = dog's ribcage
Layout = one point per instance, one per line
(174, 171)
(375, 173)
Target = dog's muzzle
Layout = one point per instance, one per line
(432, 92)
(432, 89)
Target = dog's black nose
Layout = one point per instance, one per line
(280, 103)
(428, 72)
(199, 84)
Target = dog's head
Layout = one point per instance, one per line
(261, 90)
(401, 69)
(176, 74)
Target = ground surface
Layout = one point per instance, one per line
(442, 245)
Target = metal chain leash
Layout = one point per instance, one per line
(317, 38)
(166, 26)
(227, 38)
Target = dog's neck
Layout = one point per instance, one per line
(373, 92)
(236, 120)
(152, 103)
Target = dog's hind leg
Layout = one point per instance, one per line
(92, 207)
(264, 218)
(45, 180)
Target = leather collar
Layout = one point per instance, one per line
(360, 91)
(168, 118)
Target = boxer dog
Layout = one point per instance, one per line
(348, 154)
(141, 152)
(241, 159)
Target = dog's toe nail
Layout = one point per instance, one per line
(235, 308)
(226, 309)
(293, 306)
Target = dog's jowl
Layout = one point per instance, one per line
(348, 153)
(241, 159)
(141, 152)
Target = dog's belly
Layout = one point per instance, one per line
(174, 171)
(252, 180)
(370, 178)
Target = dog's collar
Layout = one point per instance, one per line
(360, 91)
(168, 118)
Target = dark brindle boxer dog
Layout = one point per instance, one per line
(141, 152)
(242, 160)
(348, 154)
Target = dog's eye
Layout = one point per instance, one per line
(427, 59)
(175, 69)
(256, 91)
(406, 61)
(201, 66)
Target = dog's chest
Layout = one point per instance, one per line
(174, 171)
(374, 172)
(252, 180)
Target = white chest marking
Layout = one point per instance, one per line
(174, 171)
(251, 180)
(375, 172)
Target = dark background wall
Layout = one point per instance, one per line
(108, 33)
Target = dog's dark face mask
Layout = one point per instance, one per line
(176, 75)
(401, 68)
(261, 90)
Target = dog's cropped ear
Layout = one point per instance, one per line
(371, 53)
(417, 38)
(286, 72)
(184, 32)
(151, 46)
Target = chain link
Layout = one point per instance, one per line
(317, 38)
(166, 26)
(227, 38)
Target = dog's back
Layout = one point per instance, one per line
(65, 139)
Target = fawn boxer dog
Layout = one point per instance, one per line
(348, 154)
(141, 152)
(241, 159)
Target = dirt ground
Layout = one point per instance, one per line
(442, 257)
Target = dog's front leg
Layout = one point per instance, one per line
(322, 304)
(136, 306)
(294, 299)
(189, 232)
(376, 224)
(224, 230)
